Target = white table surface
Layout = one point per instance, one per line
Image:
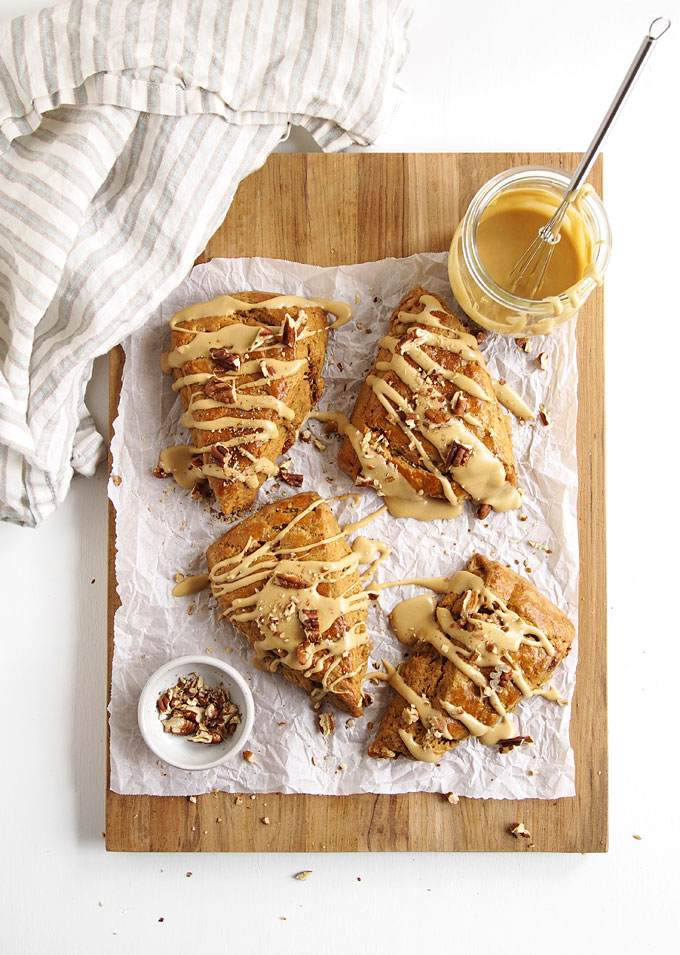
(486, 75)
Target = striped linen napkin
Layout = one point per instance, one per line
(125, 128)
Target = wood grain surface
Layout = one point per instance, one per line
(332, 209)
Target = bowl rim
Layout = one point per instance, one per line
(247, 714)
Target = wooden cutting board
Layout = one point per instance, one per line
(329, 210)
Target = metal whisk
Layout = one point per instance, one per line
(534, 263)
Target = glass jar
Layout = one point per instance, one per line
(494, 307)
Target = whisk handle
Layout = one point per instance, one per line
(656, 30)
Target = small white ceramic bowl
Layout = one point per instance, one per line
(176, 750)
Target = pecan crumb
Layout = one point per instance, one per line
(543, 415)
(249, 756)
(452, 798)
(305, 874)
(542, 360)
(158, 472)
(264, 820)
(483, 511)
(192, 799)
(518, 829)
(524, 344)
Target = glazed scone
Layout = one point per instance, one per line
(248, 368)
(287, 578)
(491, 640)
(428, 431)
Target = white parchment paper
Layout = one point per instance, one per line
(162, 531)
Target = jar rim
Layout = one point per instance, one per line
(545, 176)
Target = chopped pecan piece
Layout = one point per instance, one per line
(483, 511)
(437, 415)
(220, 453)
(309, 619)
(326, 723)
(457, 456)
(289, 332)
(459, 403)
(506, 745)
(295, 480)
(409, 715)
(260, 338)
(223, 391)
(225, 359)
(179, 726)
(158, 472)
(290, 581)
(304, 652)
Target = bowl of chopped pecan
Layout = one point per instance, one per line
(194, 712)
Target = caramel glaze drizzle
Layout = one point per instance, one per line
(288, 598)
(247, 367)
(492, 644)
(427, 414)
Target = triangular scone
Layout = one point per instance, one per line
(288, 579)
(427, 423)
(247, 377)
(492, 640)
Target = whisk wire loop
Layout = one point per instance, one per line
(535, 260)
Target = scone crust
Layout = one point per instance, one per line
(370, 415)
(427, 671)
(319, 525)
(300, 392)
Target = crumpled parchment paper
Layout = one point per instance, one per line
(162, 531)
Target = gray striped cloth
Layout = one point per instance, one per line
(125, 128)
